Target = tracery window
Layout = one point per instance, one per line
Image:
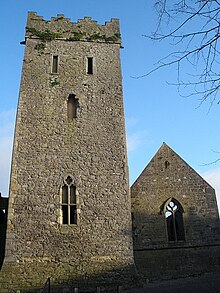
(174, 220)
(69, 202)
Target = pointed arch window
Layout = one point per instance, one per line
(174, 220)
(69, 202)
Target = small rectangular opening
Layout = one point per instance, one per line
(55, 64)
(90, 65)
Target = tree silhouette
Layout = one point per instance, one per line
(193, 28)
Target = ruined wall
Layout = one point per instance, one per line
(90, 148)
(168, 176)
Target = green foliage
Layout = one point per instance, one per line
(77, 36)
(40, 47)
(116, 37)
(54, 82)
(44, 35)
(96, 37)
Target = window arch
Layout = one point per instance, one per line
(174, 220)
(69, 202)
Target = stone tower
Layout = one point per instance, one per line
(69, 206)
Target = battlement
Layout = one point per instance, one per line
(62, 28)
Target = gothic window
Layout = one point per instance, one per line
(72, 106)
(55, 64)
(89, 65)
(174, 220)
(69, 202)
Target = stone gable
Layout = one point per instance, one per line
(169, 179)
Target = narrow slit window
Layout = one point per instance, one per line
(90, 65)
(72, 106)
(166, 163)
(55, 64)
(69, 202)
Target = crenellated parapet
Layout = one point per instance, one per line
(62, 28)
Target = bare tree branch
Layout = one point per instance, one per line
(193, 26)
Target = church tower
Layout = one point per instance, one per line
(69, 206)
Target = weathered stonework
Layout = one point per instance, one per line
(168, 176)
(70, 144)
(90, 148)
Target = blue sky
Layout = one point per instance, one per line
(155, 112)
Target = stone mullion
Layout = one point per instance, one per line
(68, 200)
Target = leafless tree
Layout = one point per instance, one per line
(193, 28)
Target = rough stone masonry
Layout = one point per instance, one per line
(69, 208)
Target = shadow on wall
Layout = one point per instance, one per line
(93, 283)
(3, 226)
(102, 272)
(153, 230)
(31, 277)
(157, 258)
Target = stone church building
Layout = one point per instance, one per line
(175, 219)
(71, 215)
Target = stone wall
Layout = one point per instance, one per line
(90, 148)
(177, 262)
(168, 176)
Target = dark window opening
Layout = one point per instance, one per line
(55, 64)
(72, 106)
(73, 215)
(167, 163)
(174, 221)
(69, 180)
(65, 214)
(65, 194)
(90, 65)
(73, 194)
(69, 202)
